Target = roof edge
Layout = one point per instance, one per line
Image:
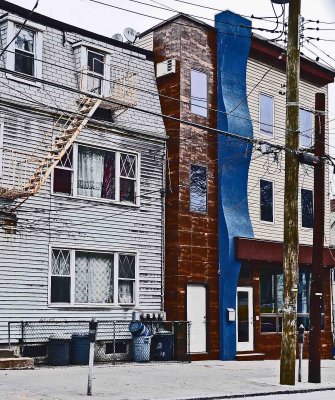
(63, 26)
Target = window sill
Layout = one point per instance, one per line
(102, 201)
(91, 306)
(22, 79)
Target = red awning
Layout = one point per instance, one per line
(263, 250)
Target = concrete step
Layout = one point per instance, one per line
(6, 353)
(17, 363)
(250, 356)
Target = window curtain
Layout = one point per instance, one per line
(90, 171)
(108, 185)
(126, 292)
(94, 276)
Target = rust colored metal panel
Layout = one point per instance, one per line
(191, 238)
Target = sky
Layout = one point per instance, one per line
(108, 20)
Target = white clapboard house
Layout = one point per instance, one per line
(82, 147)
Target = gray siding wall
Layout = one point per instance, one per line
(47, 220)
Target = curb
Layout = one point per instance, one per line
(244, 395)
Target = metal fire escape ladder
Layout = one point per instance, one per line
(64, 139)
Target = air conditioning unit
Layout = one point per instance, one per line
(166, 67)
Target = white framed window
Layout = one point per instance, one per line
(98, 173)
(92, 278)
(266, 115)
(93, 65)
(266, 200)
(199, 93)
(306, 137)
(24, 55)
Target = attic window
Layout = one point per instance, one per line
(24, 51)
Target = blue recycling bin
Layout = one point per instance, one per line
(162, 346)
(80, 349)
(59, 350)
(137, 328)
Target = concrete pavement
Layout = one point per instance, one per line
(198, 380)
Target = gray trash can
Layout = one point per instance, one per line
(141, 348)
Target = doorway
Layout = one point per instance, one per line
(196, 314)
(244, 319)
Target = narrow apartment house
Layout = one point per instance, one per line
(81, 174)
(224, 226)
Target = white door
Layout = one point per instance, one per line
(196, 314)
(244, 320)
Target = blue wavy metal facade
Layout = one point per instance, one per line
(233, 45)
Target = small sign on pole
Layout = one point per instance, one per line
(301, 331)
(92, 337)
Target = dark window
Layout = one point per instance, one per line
(96, 66)
(266, 114)
(199, 93)
(306, 128)
(60, 276)
(62, 182)
(266, 200)
(198, 189)
(24, 51)
(271, 300)
(127, 178)
(306, 208)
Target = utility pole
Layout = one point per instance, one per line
(291, 233)
(316, 297)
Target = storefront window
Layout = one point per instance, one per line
(271, 300)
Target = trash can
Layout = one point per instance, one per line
(141, 348)
(162, 346)
(80, 349)
(59, 350)
(137, 328)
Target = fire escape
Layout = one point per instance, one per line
(23, 174)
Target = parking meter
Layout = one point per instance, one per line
(92, 330)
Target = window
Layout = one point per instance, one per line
(271, 300)
(306, 208)
(85, 277)
(198, 189)
(266, 200)
(199, 93)
(96, 71)
(24, 51)
(266, 117)
(306, 128)
(99, 174)
(24, 56)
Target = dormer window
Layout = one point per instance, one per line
(95, 71)
(24, 51)
(23, 60)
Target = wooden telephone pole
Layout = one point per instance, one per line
(291, 233)
(316, 298)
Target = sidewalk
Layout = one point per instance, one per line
(198, 380)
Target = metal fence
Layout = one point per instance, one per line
(114, 341)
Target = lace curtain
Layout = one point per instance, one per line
(94, 277)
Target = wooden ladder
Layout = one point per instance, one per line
(63, 141)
